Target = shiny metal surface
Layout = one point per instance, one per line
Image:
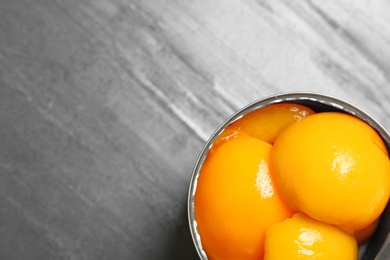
(378, 246)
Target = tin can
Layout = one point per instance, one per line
(378, 247)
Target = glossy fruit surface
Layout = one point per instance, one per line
(302, 237)
(266, 123)
(235, 200)
(333, 167)
(228, 133)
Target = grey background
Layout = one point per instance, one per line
(106, 104)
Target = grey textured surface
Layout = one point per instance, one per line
(106, 104)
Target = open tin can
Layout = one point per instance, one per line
(378, 247)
